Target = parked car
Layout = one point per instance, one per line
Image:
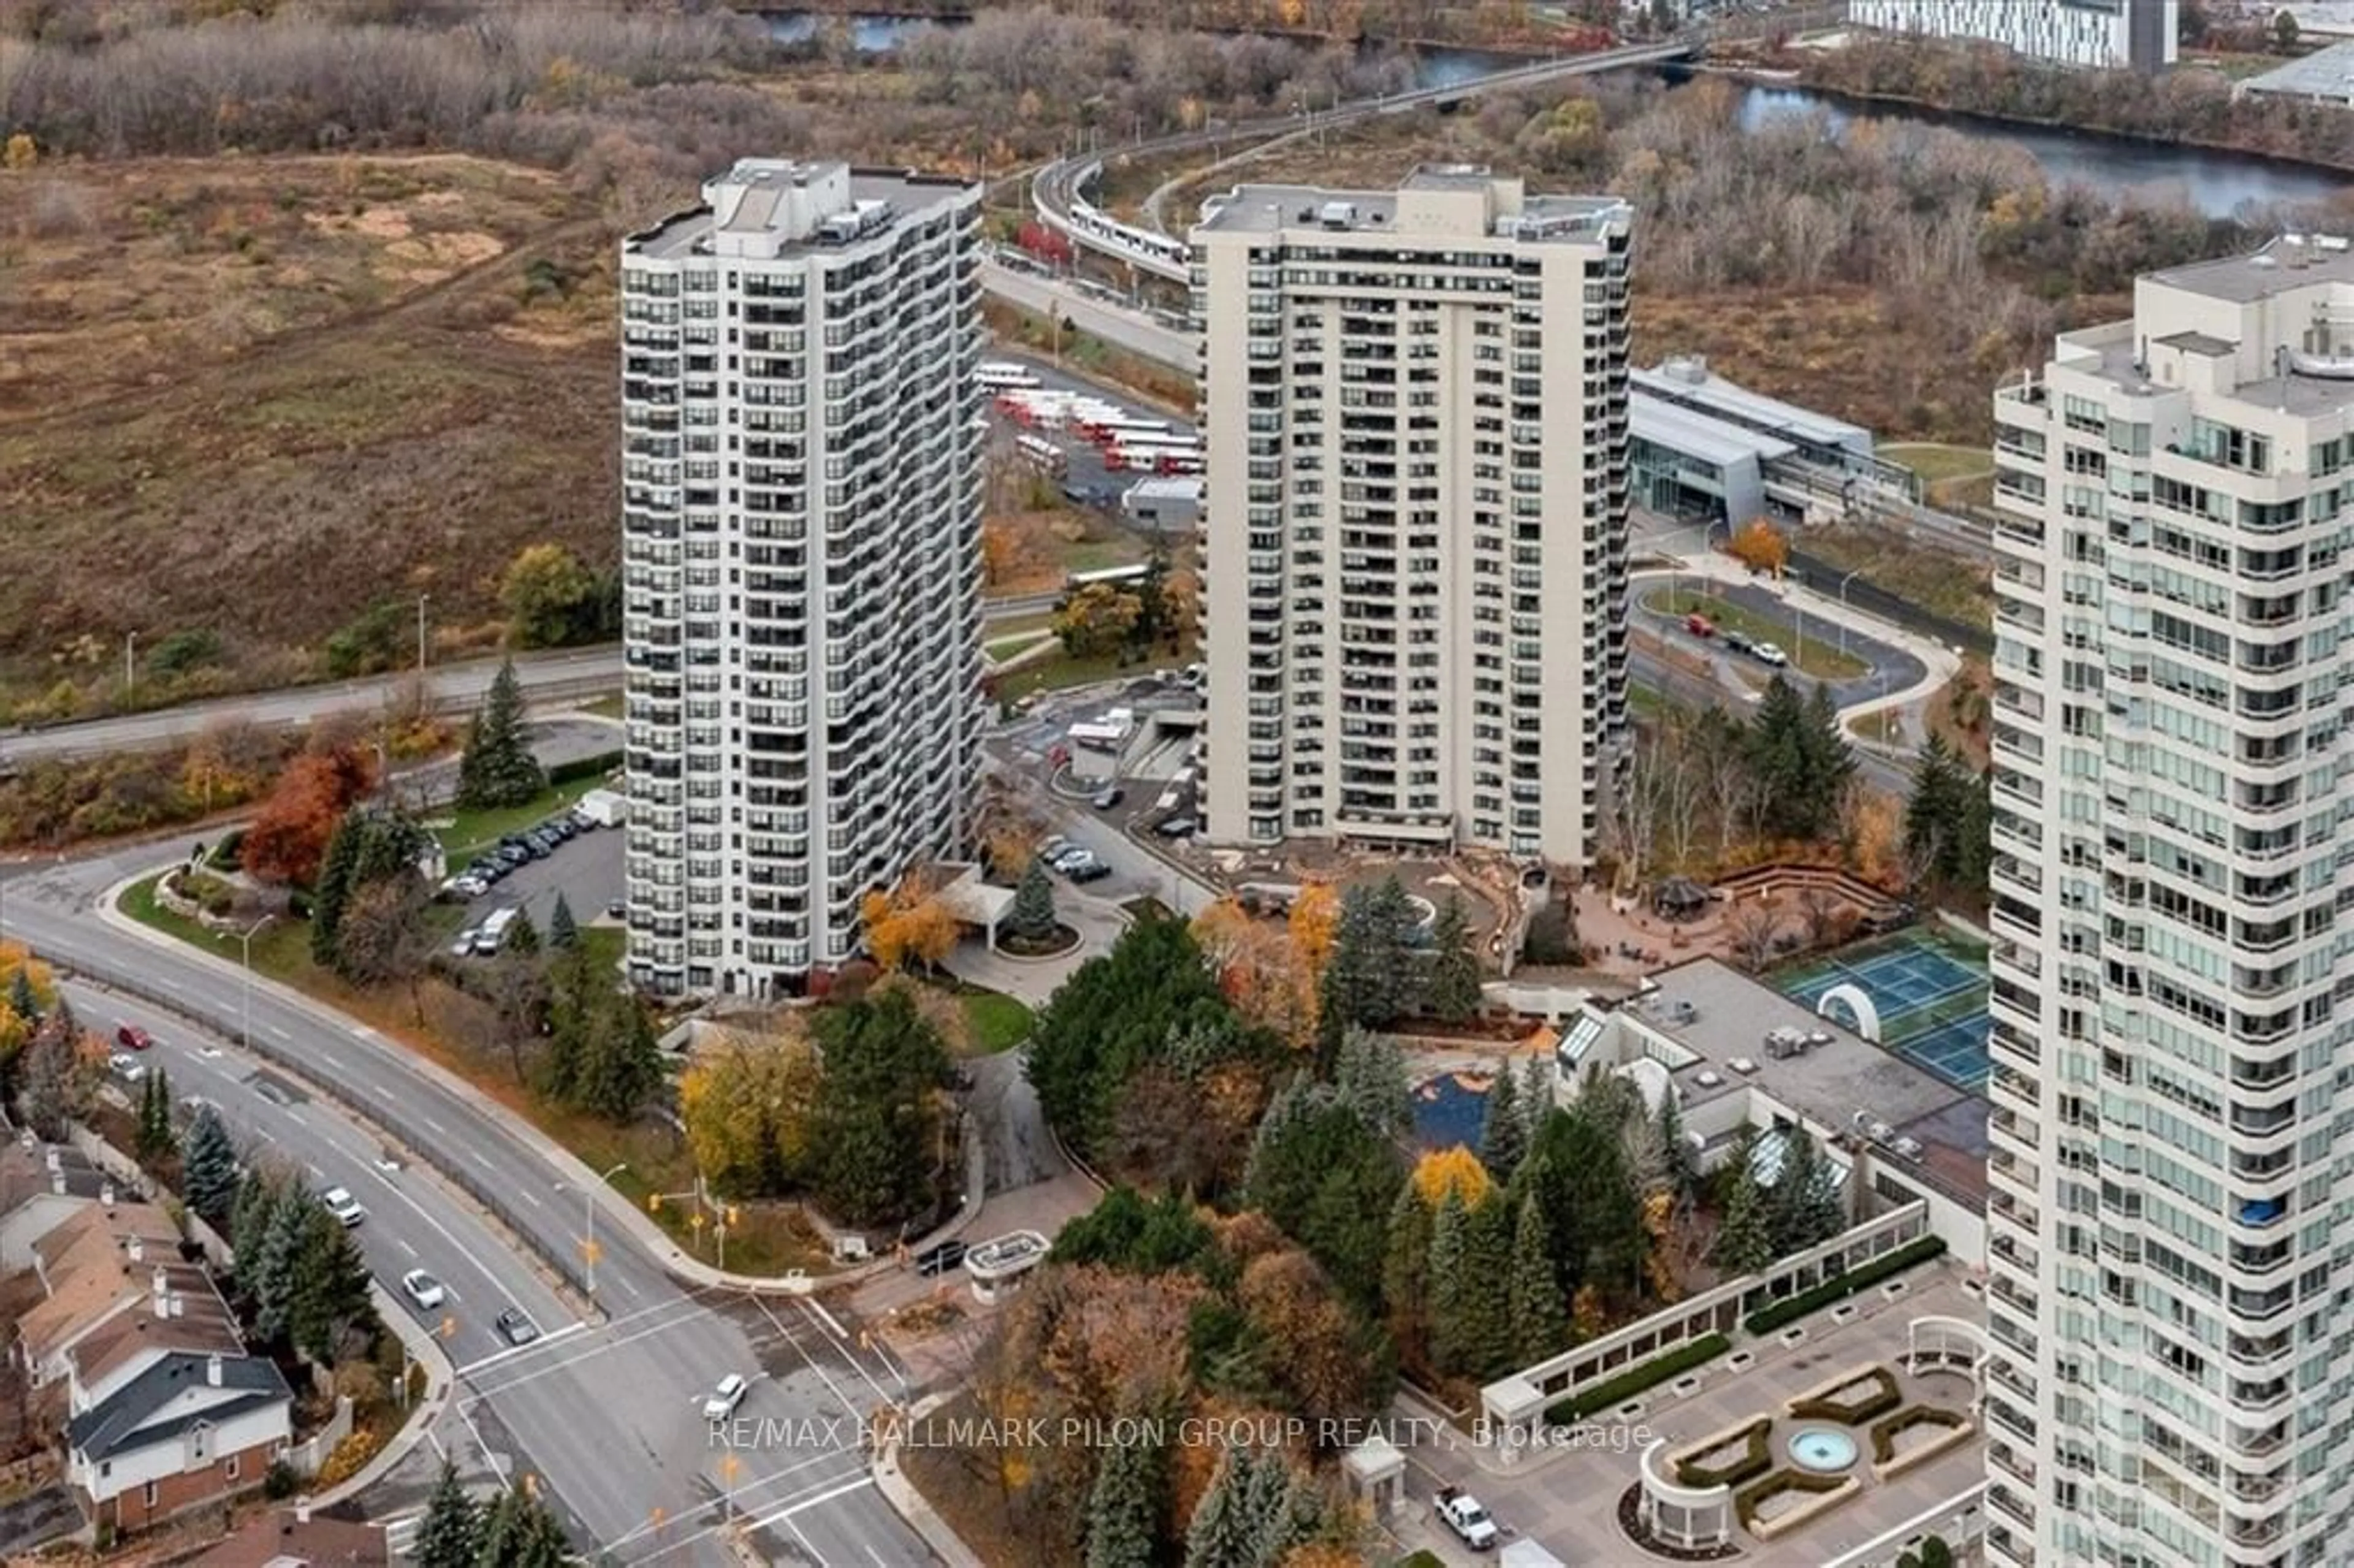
(1737, 642)
(130, 1069)
(934, 1261)
(724, 1398)
(1106, 799)
(466, 887)
(618, 910)
(1700, 625)
(422, 1289)
(462, 945)
(1093, 871)
(1176, 828)
(1769, 654)
(1048, 848)
(131, 1037)
(517, 1329)
(343, 1206)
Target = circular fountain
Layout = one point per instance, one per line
(1822, 1450)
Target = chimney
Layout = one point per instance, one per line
(138, 1247)
(163, 1293)
(213, 1369)
(106, 1196)
(57, 1183)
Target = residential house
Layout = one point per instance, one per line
(295, 1539)
(188, 1429)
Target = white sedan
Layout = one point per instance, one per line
(422, 1289)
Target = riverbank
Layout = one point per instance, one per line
(2187, 110)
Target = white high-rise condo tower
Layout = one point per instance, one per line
(2109, 34)
(801, 540)
(2172, 1372)
(1413, 592)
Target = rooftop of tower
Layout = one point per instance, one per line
(775, 209)
(1436, 200)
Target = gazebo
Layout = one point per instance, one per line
(1679, 898)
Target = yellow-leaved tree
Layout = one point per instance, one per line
(908, 923)
(746, 1100)
(1456, 1170)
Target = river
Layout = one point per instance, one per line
(2215, 183)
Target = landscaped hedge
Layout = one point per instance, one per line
(1746, 1503)
(1756, 1458)
(1883, 1432)
(1838, 1288)
(224, 855)
(1885, 1397)
(1618, 1391)
(580, 767)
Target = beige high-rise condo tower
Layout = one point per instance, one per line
(801, 550)
(1414, 591)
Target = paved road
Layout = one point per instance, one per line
(1115, 324)
(603, 1410)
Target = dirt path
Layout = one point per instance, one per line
(304, 342)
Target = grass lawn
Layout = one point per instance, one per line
(771, 1237)
(1939, 581)
(1018, 626)
(1813, 656)
(1100, 555)
(1062, 672)
(472, 832)
(999, 1022)
(1007, 647)
(1883, 728)
(1933, 462)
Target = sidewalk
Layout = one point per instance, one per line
(903, 1496)
(440, 1380)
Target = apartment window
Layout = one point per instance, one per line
(236, 1462)
(147, 1494)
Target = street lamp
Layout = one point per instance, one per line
(1843, 582)
(245, 946)
(422, 601)
(588, 1222)
(130, 662)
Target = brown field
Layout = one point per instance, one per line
(252, 395)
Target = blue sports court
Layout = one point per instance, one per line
(1930, 994)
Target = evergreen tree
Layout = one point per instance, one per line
(1503, 1128)
(272, 1284)
(1830, 761)
(21, 1000)
(497, 767)
(154, 1139)
(1934, 815)
(1453, 990)
(1033, 918)
(1371, 978)
(1744, 1240)
(620, 1063)
(1290, 1514)
(328, 1292)
(1537, 1093)
(1405, 1279)
(336, 883)
(1124, 1508)
(1450, 1253)
(1540, 1321)
(1369, 1075)
(1592, 1210)
(1221, 1534)
(1974, 860)
(257, 1198)
(208, 1170)
(449, 1536)
(1681, 1166)
(522, 937)
(1485, 1303)
(1806, 1207)
(563, 930)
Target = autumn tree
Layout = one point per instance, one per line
(1258, 968)
(1098, 619)
(1761, 547)
(747, 1101)
(551, 597)
(1455, 1172)
(909, 921)
(1753, 928)
(289, 836)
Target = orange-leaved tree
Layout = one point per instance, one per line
(1454, 1169)
(908, 922)
(1761, 547)
(1259, 969)
(288, 837)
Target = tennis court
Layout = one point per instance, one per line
(1930, 994)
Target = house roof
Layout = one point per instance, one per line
(201, 1322)
(86, 1264)
(288, 1540)
(149, 1409)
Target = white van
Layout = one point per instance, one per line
(493, 934)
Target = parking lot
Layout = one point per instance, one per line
(1089, 473)
(589, 869)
